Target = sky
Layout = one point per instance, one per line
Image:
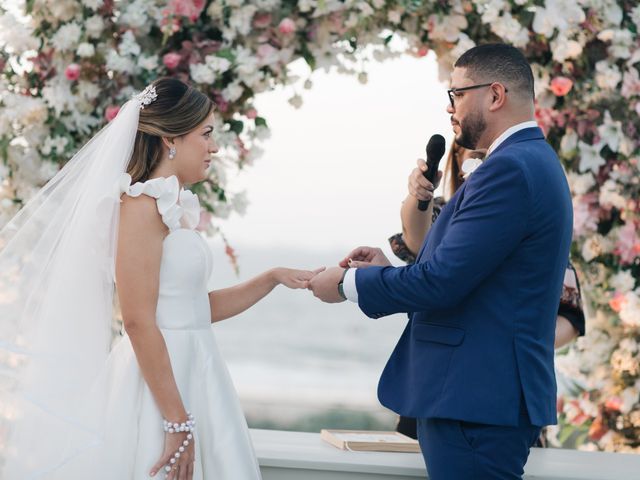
(334, 171)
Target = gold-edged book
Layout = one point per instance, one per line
(369, 441)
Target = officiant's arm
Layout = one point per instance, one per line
(140, 238)
(474, 245)
(231, 301)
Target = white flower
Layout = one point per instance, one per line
(239, 202)
(57, 94)
(15, 37)
(67, 36)
(561, 14)
(246, 62)
(607, 76)
(447, 28)
(511, 30)
(201, 73)
(635, 16)
(93, 4)
(610, 132)
(119, 64)
(94, 26)
(610, 195)
(630, 396)
(365, 9)
(580, 184)
(217, 64)
(395, 16)
(569, 142)
(148, 62)
(88, 90)
(590, 158)
(307, 5)
(128, 45)
(621, 42)
(630, 312)
(86, 50)
(232, 92)
(240, 19)
(564, 48)
(594, 246)
(136, 14)
(490, 10)
(622, 281)
(54, 143)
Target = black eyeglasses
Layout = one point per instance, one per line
(452, 91)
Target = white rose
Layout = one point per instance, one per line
(201, 73)
(86, 50)
(94, 26)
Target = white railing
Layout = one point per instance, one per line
(303, 456)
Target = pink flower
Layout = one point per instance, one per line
(616, 304)
(628, 244)
(613, 403)
(187, 8)
(72, 72)
(252, 113)
(262, 20)
(171, 60)
(287, 26)
(111, 112)
(205, 220)
(560, 86)
(584, 218)
(267, 54)
(422, 51)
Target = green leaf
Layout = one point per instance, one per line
(236, 126)
(226, 53)
(261, 122)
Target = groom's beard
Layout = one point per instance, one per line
(471, 131)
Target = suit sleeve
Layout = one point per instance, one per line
(489, 224)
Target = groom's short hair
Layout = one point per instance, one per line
(498, 62)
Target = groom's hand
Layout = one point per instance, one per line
(365, 257)
(325, 285)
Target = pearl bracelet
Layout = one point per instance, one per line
(176, 456)
(187, 426)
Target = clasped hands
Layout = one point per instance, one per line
(324, 284)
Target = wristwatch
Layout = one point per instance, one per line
(341, 284)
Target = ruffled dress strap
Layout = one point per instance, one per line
(179, 208)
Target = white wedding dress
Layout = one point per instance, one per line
(132, 424)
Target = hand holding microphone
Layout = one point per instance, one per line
(435, 152)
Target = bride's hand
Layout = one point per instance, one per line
(182, 469)
(292, 278)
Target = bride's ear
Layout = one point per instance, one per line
(168, 142)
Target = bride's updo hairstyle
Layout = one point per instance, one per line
(176, 111)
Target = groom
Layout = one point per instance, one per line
(475, 362)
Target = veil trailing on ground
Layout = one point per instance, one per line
(57, 264)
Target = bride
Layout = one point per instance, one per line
(117, 218)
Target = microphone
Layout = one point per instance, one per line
(435, 152)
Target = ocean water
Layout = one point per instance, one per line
(293, 358)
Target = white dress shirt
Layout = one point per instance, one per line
(349, 284)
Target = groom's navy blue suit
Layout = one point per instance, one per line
(482, 298)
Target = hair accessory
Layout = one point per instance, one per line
(147, 96)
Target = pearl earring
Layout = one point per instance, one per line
(172, 153)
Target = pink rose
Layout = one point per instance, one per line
(252, 113)
(560, 86)
(422, 51)
(171, 60)
(111, 112)
(287, 26)
(628, 244)
(187, 8)
(616, 303)
(262, 20)
(72, 72)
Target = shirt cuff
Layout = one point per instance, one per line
(349, 285)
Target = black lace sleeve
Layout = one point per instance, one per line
(397, 243)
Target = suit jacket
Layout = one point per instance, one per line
(483, 294)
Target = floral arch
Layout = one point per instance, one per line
(65, 66)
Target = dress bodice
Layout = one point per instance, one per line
(187, 262)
